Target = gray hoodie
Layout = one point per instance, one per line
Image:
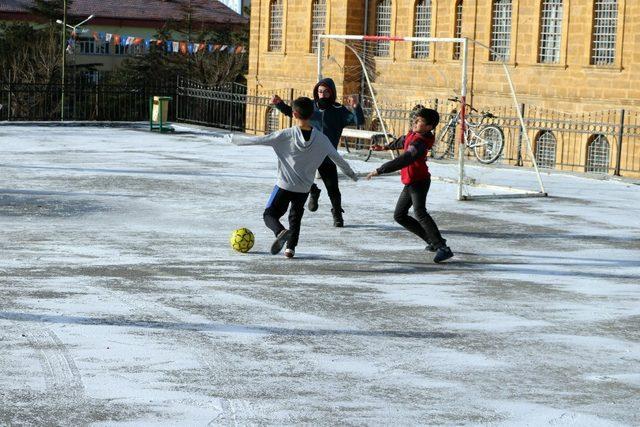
(298, 159)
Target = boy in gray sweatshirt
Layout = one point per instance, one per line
(300, 150)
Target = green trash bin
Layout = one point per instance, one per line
(158, 113)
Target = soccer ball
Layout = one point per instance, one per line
(242, 240)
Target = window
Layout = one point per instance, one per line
(89, 46)
(272, 120)
(500, 30)
(546, 149)
(422, 28)
(598, 154)
(275, 26)
(605, 21)
(457, 32)
(383, 26)
(86, 46)
(318, 17)
(550, 32)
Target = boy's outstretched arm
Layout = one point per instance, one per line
(271, 139)
(405, 159)
(281, 106)
(342, 164)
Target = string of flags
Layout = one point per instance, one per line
(171, 46)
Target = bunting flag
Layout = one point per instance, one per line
(184, 47)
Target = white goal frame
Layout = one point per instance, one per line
(464, 44)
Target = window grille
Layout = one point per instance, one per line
(383, 26)
(603, 48)
(273, 120)
(86, 46)
(275, 26)
(119, 49)
(89, 46)
(457, 33)
(501, 30)
(550, 31)
(598, 154)
(546, 149)
(318, 18)
(422, 28)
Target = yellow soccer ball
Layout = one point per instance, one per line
(242, 240)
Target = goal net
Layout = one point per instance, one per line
(466, 139)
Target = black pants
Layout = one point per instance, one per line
(277, 206)
(329, 174)
(422, 225)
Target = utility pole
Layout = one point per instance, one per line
(64, 56)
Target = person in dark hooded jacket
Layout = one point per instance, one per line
(330, 118)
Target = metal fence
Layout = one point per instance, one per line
(605, 142)
(84, 101)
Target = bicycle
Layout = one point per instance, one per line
(486, 140)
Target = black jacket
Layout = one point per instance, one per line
(333, 119)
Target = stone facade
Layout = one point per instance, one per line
(572, 85)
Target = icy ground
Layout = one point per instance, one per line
(123, 304)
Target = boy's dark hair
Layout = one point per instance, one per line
(431, 117)
(303, 106)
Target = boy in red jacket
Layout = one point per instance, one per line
(417, 180)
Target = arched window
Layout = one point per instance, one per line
(422, 28)
(605, 24)
(598, 154)
(383, 26)
(457, 31)
(275, 26)
(318, 20)
(546, 149)
(500, 30)
(550, 31)
(272, 120)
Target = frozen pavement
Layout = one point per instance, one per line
(123, 304)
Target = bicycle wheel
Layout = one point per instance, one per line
(488, 144)
(443, 148)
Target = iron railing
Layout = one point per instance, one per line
(84, 101)
(602, 142)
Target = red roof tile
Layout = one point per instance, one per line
(207, 11)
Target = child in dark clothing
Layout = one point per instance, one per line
(417, 180)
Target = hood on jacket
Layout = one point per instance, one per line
(299, 138)
(328, 83)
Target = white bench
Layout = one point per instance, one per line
(363, 134)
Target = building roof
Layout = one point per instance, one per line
(206, 11)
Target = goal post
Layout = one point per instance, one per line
(367, 66)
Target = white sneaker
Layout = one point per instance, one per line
(289, 253)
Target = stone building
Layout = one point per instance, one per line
(565, 56)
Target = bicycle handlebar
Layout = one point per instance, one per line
(456, 99)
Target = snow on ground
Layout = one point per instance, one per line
(122, 303)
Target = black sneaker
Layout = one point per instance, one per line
(314, 195)
(442, 254)
(430, 248)
(281, 239)
(338, 221)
